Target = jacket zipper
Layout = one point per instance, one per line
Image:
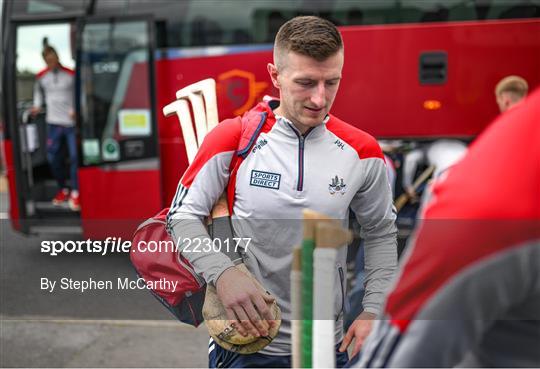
(301, 140)
(300, 185)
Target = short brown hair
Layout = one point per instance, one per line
(310, 36)
(514, 84)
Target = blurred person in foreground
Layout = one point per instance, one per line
(510, 91)
(317, 162)
(468, 290)
(54, 88)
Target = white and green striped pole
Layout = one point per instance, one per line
(308, 245)
(296, 307)
(302, 292)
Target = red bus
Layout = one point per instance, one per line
(413, 70)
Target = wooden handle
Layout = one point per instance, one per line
(330, 236)
(311, 219)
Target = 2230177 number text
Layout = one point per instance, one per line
(214, 245)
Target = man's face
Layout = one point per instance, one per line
(307, 87)
(51, 59)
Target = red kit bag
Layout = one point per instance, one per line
(186, 300)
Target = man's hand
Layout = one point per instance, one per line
(246, 305)
(359, 330)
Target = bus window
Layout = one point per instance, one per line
(180, 23)
(200, 23)
(514, 10)
(115, 103)
(193, 23)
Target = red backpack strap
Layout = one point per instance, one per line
(252, 125)
(250, 131)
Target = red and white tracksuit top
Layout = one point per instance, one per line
(468, 291)
(331, 169)
(56, 87)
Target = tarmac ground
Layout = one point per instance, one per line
(38, 329)
(77, 344)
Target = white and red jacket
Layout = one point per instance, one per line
(468, 291)
(332, 168)
(55, 87)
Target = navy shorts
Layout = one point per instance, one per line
(218, 357)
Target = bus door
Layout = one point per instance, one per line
(119, 173)
(32, 187)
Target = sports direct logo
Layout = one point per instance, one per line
(265, 179)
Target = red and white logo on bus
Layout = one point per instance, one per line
(241, 89)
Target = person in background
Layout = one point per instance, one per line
(510, 91)
(54, 88)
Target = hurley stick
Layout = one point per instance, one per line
(202, 96)
(404, 197)
(181, 109)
